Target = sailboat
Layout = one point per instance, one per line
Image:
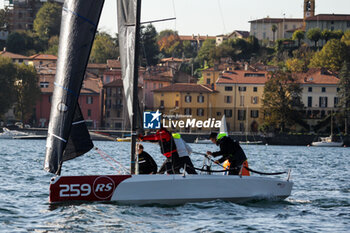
(328, 141)
(68, 136)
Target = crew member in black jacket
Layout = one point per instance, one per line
(229, 150)
(146, 163)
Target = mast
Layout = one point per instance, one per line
(135, 105)
(129, 12)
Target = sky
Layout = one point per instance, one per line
(214, 17)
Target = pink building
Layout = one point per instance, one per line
(89, 100)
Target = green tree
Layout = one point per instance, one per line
(170, 44)
(298, 35)
(274, 29)
(104, 48)
(331, 56)
(314, 34)
(53, 46)
(346, 38)
(206, 52)
(189, 50)
(149, 47)
(326, 35)
(25, 42)
(48, 20)
(27, 91)
(7, 79)
(344, 92)
(282, 100)
(337, 34)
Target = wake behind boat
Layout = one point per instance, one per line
(69, 138)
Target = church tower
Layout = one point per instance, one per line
(309, 8)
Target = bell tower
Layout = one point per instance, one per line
(309, 8)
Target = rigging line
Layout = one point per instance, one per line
(222, 17)
(105, 156)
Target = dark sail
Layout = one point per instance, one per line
(129, 36)
(78, 27)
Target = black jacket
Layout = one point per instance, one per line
(146, 164)
(230, 150)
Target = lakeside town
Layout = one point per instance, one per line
(284, 75)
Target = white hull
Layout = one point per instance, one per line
(203, 141)
(327, 144)
(172, 189)
(176, 189)
(250, 142)
(10, 134)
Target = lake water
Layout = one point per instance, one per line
(320, 200)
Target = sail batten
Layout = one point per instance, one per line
(78, 27)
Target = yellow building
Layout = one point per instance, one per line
(239, 97)
(182, 101)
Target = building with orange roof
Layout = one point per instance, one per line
(115, 112)
(196, 40)
(89, 99)
(16, 58)
(43, 60)
(239, 97)
(181, 101)
(319, 93)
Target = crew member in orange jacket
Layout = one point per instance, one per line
(168, 149)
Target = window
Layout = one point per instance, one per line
(254, 113)
(176, 103)
(228, 113)
(286, 26)
(89, 99)
(242, 88)
(241, 115)
(348, 24)
(118, 125)
(89, 112)
(108, 79)
(108, 113)
(255, 89)
(323, 102)
(118, 114)
(162, 103)
(160, 85)
(264, 35)
(218, 113)
(255, 99)
(208, 81)
(228, 99)
(154, 85)
(119, 90)
(108, 91)
(309, 89)
(336, 101)
(44, 84)
(200, 99)
(50, 98)
(188, 99)
(228, 88)
(187, 111)
(241, 127)
(241, 100)
(309, 101)
(323, 89)
(200, 112)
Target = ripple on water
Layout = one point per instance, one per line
(320, 193)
